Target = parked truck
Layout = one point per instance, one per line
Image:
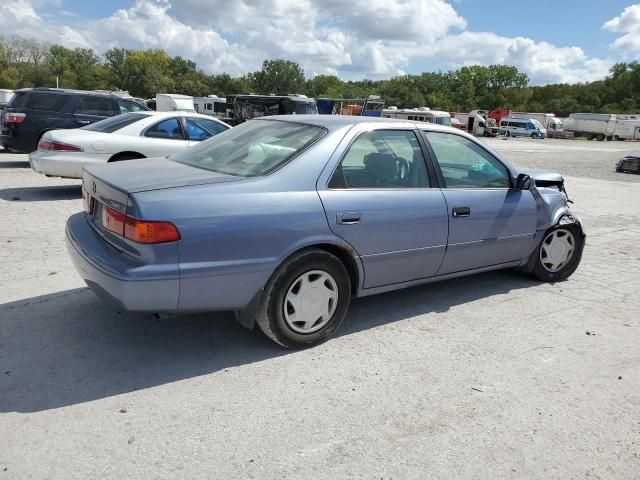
(627, 127)
(170, 102)
(549, 121)
(479, 123)
(600, 126)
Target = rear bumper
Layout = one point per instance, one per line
(117, 278)
(68, 165)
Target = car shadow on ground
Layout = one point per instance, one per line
(69, 347)
(14, 163)
(41, 194)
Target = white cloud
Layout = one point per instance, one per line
(627, 23)
(355, 39)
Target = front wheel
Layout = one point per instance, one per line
(559, 254)
(306, 300)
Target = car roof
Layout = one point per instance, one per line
(176, 113)
(336, 122)
(74, 92)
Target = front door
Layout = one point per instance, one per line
(490, 222)
(380, 201)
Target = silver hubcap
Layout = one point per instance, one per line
(310, 301)
(557, 249)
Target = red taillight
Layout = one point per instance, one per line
(88, 201)
(113, 220)
(139, 231)
(12, 117)
(57, 146)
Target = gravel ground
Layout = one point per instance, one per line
(494, 376)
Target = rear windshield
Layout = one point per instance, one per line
(254, 148)
(46, 102)
(111, 124)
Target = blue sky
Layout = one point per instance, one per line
(552, 41)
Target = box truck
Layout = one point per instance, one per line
(170, 102)
(600, 126)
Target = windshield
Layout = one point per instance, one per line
(254, 148)
(304, 108)
(536, 123)
(442, 120)
(111, 124)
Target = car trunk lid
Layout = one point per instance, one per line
(154, 174)
(111, 186)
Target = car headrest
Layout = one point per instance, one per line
(381, 165)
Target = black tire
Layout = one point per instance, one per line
(600, 137)
(609, 138)
(542, 273)
(125, 156)
(508, 134)
(590, 136)
(271, 317)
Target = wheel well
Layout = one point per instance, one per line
(131, 155)
(347, 260)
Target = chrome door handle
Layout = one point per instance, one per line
(461, 212)
(348, 218)
(83, 122)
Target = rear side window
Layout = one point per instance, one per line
(112, 124)
(45, 102)
(18, 99)
(100, 107)
(382, 159)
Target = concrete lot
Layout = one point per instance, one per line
(494, 376)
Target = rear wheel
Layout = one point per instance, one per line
(601, 137)
(559, 254)
(306, 300)
(590, 136)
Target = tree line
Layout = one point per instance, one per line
(28, 63)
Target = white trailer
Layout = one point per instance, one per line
(5, 95)
(171, 102)
(627, 128)
(462, 117)
(600, 126)
(421, 114)
(212, 105)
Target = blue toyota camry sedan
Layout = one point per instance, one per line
(284, 219)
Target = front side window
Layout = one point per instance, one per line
(199, 129)
(253, 148)
(465, 164)
(382, 159)
(127, 106)
(100, 107)
(169, 129)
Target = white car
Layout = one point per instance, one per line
(63, 153)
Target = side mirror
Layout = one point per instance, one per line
(523, 182)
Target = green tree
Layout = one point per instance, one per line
(280, 77)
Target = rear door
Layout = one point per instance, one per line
(380, 200)
(91, 109)
(490, 222)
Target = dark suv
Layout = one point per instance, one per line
(33, 111)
